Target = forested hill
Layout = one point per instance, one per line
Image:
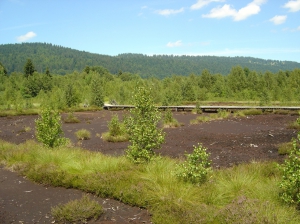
(62, 60)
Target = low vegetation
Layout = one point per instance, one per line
(71, 118)
(248, 112)
(83, 134)
(290, 183)
(196, 168)
(77, 211)
(116, 131)
(169, 121)
(285, 148)
(222, 114)
(248, 190)
(295, 125)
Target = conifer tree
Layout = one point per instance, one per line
(28, 68)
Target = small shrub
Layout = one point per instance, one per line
(71, 118)
(48, 128)
(169, 120)
(76, 211)
(290, 183)
(196, 167)
(117, 131)
(83, 134)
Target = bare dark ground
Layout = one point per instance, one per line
(231, 141)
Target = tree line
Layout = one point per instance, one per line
(96, 85)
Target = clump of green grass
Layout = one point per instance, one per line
(170, 121)
(116, 131)
(295, 125)
(285, 148)
(71, 118)
(222, 114)
(245, 210)
(25, 129)
(282, 112)
(201, 119)
(83, 134)
(252, 112)
(76, 211)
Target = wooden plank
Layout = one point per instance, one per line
(205, 108)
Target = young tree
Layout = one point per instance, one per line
(71, 96)
(97, 96)
(144, 134)
(48, 128)
(28, 68)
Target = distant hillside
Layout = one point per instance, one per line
(62, 60)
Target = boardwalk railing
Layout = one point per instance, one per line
(205, 108)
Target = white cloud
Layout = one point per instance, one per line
(26, 37)
(221, 12)
(298, 28)
(277, 20)
(293, 6)
(202, 3)
(167, 12)
(178, 43)
(227, 11)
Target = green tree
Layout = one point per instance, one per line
(48, 72)
(35, 83)
(28, 68)
(236, 79)
(48, 128)
(206, 80)
(3, 71)
(97, 96)
(144, 134)
(71, 95)
(87, 69)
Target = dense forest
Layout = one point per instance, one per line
(61, 60)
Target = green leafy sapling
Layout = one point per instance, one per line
(49, 128)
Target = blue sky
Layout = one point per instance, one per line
(268, 29)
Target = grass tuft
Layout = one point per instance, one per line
(76, 211)
(294, 125)
(285, 148)
(71, 118)
(83, 134)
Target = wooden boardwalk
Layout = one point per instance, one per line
(206, 108)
